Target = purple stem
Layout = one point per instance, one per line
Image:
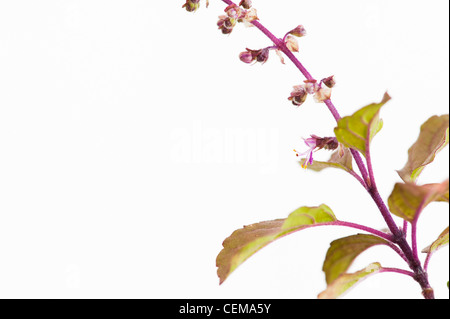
(398, 271)
(369, 162)
(333, 110)
(399, 252)
(373, 191)
(389, 238)
(405, 227)
(359, 179)
(414, 227)
(356, 155)
(427, 261)
(282, 46)
(414, 239)
(372, 231)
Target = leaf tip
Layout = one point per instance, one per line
(386, 98)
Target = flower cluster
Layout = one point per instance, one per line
(235, 14)
(316, 143)
(262, 55)
(289, 39)
(321, 93)
(250, 56)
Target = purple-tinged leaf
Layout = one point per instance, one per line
(439, 243)
(337, 160)
(246, 241)
(358, 130)
(343, 252)
(347, 281)
(433, 137)
(408, 199)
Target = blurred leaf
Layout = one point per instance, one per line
(357, 130)
(433, 137)
(346, 281)
(343, 162)
(439, 243)
(246, 241)
(343, 251)
(407, 200)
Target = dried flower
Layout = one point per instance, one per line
(311, 86)
(329, 81)
(299, 31)
(263, 55)
(234, 12)
(250, 56)
(291, 43)
(298, 96)
(250, 15)
(246, 4)
(322, 94)
(280, 55)
(226, 24)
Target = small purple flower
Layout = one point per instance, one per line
(316, 143)
(312, 144)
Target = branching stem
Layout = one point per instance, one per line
(398, 271)
(398, 235)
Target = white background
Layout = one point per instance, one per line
(133, 141)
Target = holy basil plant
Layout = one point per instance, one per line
(351, 146)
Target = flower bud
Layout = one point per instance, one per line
(329, 81)
(249, 16)
(255, 55)
(311, 86)
(299, 31)
(191, 5)
(226, 24)
(328, 143)
(246, 4)
(263, 55)
(247, 57)
(298, 96)
(234, 12)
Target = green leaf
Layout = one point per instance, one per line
(340, 161)
(343, 252)
(433, 137)
(407, 200)
(246, 241)
(346, 281)
(439, 243)
(358, 130)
